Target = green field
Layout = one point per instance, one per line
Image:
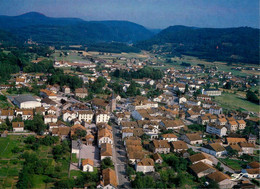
(237, 165)
(222, 66)
(231, 101)
(10, 165)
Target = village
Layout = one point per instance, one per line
(161, 122)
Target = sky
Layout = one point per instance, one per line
(157, 14)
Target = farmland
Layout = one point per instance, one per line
(232, 101)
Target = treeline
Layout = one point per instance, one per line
(146, 72)
(62, 79)
(45, 66)
(9, 63)
(113, 48)
(18, 59)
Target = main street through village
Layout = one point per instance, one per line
(119, 159)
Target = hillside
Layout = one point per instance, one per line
(227, 44)
(49, 30)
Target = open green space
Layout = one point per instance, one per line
(237, 165)
(222, 66)
(10, 165)
(231, 101)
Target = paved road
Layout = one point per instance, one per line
(215, 160)
(119, 159)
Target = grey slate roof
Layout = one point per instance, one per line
(24, 98)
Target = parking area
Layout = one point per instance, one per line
(91, 152)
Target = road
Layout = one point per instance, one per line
(215, 160)
(119, 159)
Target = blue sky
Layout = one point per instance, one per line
(150, 13)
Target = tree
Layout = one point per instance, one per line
(232, 152)
(131, 90)
(80, 133)
(107, 163)
(57, 151)
(251, 96)
(218, 167)
(227, 85)
(213, 185)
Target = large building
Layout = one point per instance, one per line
(26, 102)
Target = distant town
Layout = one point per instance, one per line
(83, 119)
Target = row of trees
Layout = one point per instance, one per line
(146, 72)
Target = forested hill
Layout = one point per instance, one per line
(43, 29)
(227, 44)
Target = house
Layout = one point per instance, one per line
(106, 151)
(201, 169)
(7, 114)
(192, 139)
(221, 179)
(182, 100)
(157, 158)
(204, 97)
(86, 115)
(50, 119)
(135, 154)
(247, 148)
(52, 110)
(87, 165)
(100, 104)
(172, 124)
(127, 132)
(75, 128)
(25, 114)
(235, 147)
(253, 165)
(233, 140)
(179, 146)
(89, 139)
(81, 92)
(221, 121)
(251, 138)
(214, 149)
(102, 117)
(105, 136)
(66, 89)
(192, 114)
(201, 157)
(69, 115)
(232, 126)
(216, 129)
(215, 110)
(203, 120)
(26, 102)
(62, 132)
(251, 173)
(169, 137)
(160, 146)
(145, 165)
(241, 124)
(211, 92)
(109, 179)
(47, 102)
(18, 126)
(45, 93)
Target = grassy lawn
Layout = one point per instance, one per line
(234, 164)
(7, 144)
(233, 101)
